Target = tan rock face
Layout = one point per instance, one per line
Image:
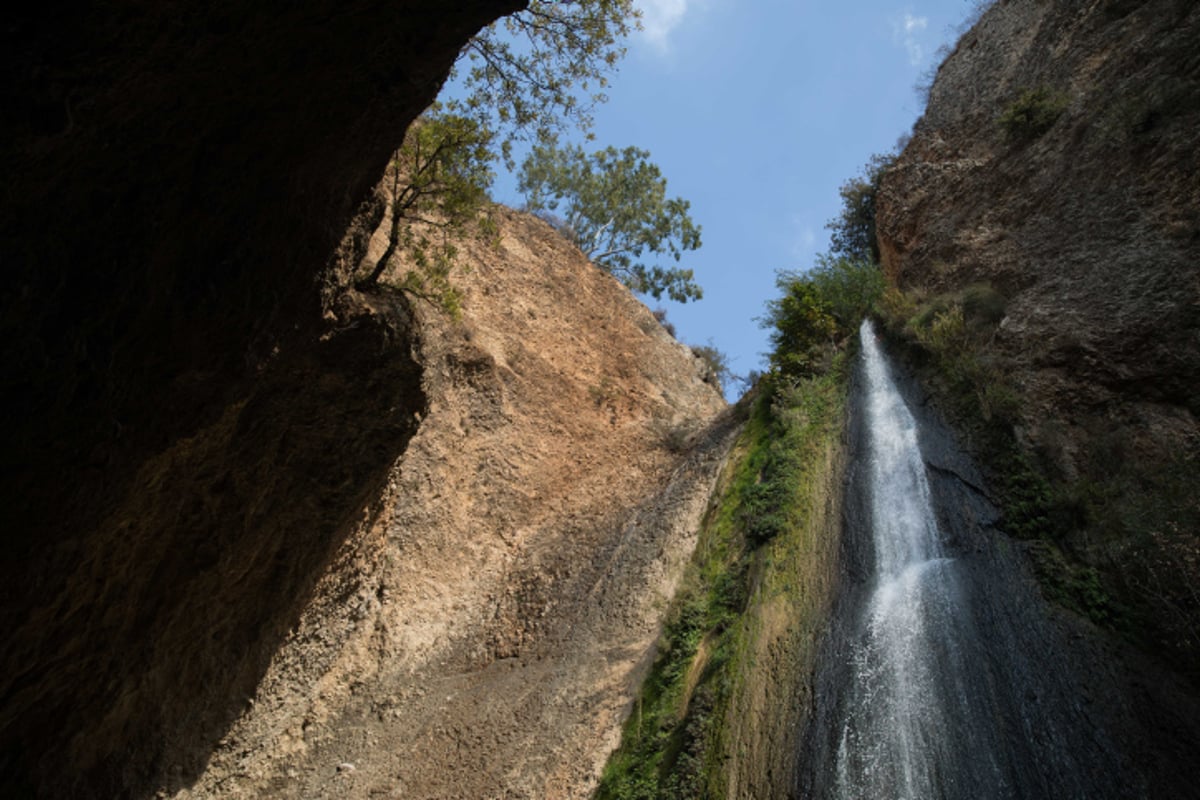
(484, 634)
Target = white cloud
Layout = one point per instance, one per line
(659, 18)
(906, 32)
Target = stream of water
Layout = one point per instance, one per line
(943, 675)
(911, 712)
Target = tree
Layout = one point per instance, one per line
(544, 68)
(819, 309)
(803, 329)
(440, 177)
(522, 80)
(853, 231)
(848, 287)
(615, 208)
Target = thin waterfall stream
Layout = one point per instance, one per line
(909, 710)
(934, 683)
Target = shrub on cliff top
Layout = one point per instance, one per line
(819, 309)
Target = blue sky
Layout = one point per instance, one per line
(757, 112)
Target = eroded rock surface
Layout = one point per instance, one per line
(1089, 233)
(483, 636)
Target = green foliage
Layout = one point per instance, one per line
(852, 232)
(823, 305)
(955, 330)
(849, 286)
(802, 329)
(718, 371)
(440, 177)
(543, 68)
(1073, 585)
(614, 206)
(1032, 114)
(817, 310)
(675, 745)
(536, 71)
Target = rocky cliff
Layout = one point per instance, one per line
(1044, 226)
(484, 630)
(270, 536)
(178, 178)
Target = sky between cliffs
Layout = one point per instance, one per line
(757, 112)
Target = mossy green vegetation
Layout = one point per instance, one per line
(740, 636)
(753, 551)
(1033, 113)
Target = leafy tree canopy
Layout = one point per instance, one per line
(439, 182)
(613, 204)
(802, 329)
(535, 72)
(816, 309)
(852, 233)
(543, 69)
(848, 287)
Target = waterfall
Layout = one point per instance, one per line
(943, 677)
(905, 725)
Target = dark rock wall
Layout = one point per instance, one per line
(1090, 231)
(187, 436)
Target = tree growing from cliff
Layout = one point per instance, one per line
(852, 232)
(817, 310)
(439, 181)
(543, 69)
(613, 204)
(536, 72)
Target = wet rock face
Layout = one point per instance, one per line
(178, 176)
(1088, 227)
(1070, 712)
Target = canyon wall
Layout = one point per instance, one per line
(483, 633)
(189, 441)
(1047, 197)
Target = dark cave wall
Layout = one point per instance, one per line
(188, 437)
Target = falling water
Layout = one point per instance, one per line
(909, 713)
(942, 676)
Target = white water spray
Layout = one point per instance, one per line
(909, 714)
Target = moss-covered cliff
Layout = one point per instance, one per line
(723, 709)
